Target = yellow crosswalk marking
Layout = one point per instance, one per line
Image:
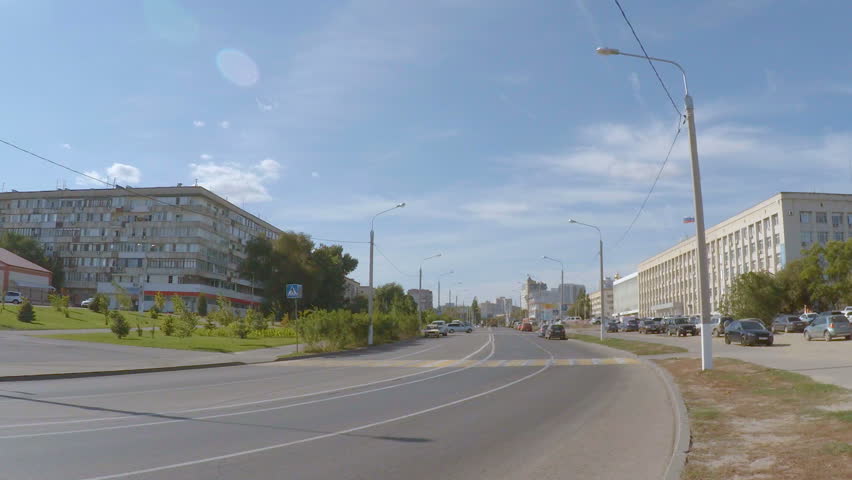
(445, 363)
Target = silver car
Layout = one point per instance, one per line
(828, 327)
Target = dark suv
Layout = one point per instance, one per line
(555, 331)
(630, 326)
(788, 323)
(649, 325)
(680, 326)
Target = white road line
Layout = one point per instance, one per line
(247, 412)
(206, 385)
(323, 436)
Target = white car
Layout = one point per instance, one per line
(442, 326)
(456, 326)
(87, 302)
(13, 297)
(847, 310)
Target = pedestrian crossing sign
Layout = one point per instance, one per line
(294, 290)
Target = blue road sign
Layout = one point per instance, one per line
(294, 290)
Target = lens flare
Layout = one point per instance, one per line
(237, 67)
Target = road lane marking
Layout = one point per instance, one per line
(519, 362)
(488, 342)
(258, 410)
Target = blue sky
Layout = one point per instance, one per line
(493, 119)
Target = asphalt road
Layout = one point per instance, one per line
(447, 408)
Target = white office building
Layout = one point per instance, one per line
(625, 296)
(762, 238)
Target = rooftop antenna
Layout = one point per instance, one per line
(196, 182)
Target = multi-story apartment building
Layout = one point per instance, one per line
(529, 290)
(595, 300)
(184, 241)
(422, 297)
(762, 238)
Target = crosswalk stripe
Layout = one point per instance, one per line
(444, 363)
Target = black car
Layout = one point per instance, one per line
(612, 327)
(555, 331)
(749, 331)
(680, 326)
(787, 324)
(630, 326)
(649, 326)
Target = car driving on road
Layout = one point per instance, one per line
(748, 331)
(442, 326)
(555, 331)
(829, 327)
(431, 330)
(456, 326)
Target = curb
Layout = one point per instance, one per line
(683, 436)
(339, 353)
(107, 373)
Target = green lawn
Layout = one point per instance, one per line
(639, 348)
(196, 342)
(49, 319)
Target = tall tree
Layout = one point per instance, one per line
(754, 295)
(331, 266)
(795, 289)
(474, 308)
(30, 249)
(392, 296)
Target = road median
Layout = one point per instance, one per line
(632, 346)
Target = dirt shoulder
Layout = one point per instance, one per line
(751, 422)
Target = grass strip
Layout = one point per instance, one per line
(633, 346)
(196, 342)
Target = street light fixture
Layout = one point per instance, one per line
(439, 288)
(600, 256)
(701, 248)
(372, 243)
(561, 283)
(420, 291)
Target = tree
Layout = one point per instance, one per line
(26, 313)
(240, 327)
(582, 306)
(754, 295)
(359, 304)
(100, 304)
(331, 266)
(202, 305)
(255, 320)
(30, 249)
(224, 314)
(159, 302)
(125, 302)
(794, 287)
(118, 324)
(187, 320)
(477, 314)
(388, 295)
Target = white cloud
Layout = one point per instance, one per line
(636, 87)
(198, 123)
(119, 173)
(237, 182)
(205, 156)
(225, 124)
(265, 105)
(66, 146)
(315, 174)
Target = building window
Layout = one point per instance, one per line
(777, 260)
(777, 239)
(822, 237)
(806, 238)
(838, 236)
(805, 217)
(836, 219)
(821, 217)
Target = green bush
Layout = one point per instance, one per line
(26, 313)
(55, 301)
(118, 324)
(187, 321)
(202, 305)
(167, 325)
(139, 328)
(224, 314)
(240, 327)
(255, 320)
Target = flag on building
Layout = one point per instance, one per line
(688, 219)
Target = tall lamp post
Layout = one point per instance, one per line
(370, 298)
(439, 288)
(420, 291)
(600, 257)
(701, 248)
(561, 283)
(450, 296)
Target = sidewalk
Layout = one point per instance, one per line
(826, 363)
(26, 354)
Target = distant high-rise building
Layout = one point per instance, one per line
(422, 297)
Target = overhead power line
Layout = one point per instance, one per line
(337, 241)
(392, 264)
(644, 52)
(653, 185)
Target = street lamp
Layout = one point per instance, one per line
(439, 288)
(600, 256)
(701, 248)
(420, 291)
(450, 296)
(370, 298)
(561, 283)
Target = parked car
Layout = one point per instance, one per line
(664, 324)
(526, 327)
(847, 310)
(85, 303)
(630, 326)
(13, 297)
(680, 326)
(828, 327)
(612, 327)
(457, 326)
(719, 325)
(442, 326)
(748, 331)
(787, 323)
(649, 326)
(432, 330)
(543, 330)
(555, 331)
(808, 317)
